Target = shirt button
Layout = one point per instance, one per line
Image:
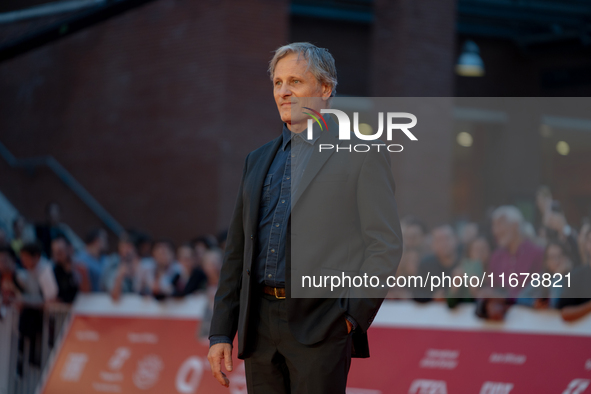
(287, 178)
(277, 225)
(270, 276)
(272, 250)
(282, 201)
(292, 155)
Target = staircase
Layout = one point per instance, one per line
(28, 185)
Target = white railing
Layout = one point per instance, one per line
(18, 373)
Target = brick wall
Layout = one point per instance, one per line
(153, 111)
(412, 56)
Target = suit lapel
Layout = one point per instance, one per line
(257, 175)
(317, 160)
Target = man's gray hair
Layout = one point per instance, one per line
(320, 62)
(510, 213)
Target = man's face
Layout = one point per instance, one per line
(126, 250)
(212, 262)
(479, 250)
(543, 201)
(444, 242)
(556, 261)
(163, 255)
(293, 88)
(186, 256)
(469, 233)
(200, 249)
(504, 231)
(412, 235)
(29, 261)
(60, 251)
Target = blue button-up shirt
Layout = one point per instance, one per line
(275, 205)
(274, 209)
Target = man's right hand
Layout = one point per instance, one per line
(217, 353)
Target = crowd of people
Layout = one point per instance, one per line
(505, 244)
(46, 263)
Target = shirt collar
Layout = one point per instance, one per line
(288, 135)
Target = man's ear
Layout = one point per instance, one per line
(326, 91)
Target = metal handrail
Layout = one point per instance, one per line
(47, 9)
(68, 180)
(60, 29)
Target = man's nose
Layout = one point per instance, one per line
(284, 91)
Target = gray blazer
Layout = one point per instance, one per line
(343, 220)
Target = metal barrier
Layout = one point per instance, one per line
(8, 327)
(23, 375)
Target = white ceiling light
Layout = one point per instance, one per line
(464, 139)
(469, 63)
(562, 148)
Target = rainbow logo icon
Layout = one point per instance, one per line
(315, 117)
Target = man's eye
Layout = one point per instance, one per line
(277, 83)
(296, 81)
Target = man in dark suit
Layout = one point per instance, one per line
(302, 211)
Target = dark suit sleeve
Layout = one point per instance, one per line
(227, 298)
(381, 233)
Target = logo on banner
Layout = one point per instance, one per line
(345, 129)
(148, 371)
(115, 364)
(119, 357)
(496, 388)
(440, 359)
(189, 375)
(507, 358)
(426, 386)
(577, 386)
(74, 366)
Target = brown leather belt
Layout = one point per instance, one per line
(278, 292)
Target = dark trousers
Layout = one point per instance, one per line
(280, 364)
